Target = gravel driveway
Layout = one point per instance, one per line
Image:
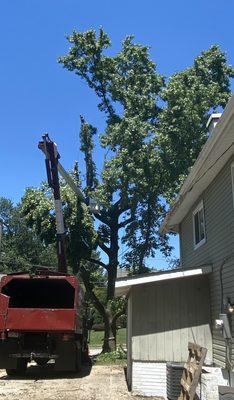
(96, 383)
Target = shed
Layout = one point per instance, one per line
(165, 310)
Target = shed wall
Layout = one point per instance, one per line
(218, 249)
(167, 315)
(129, 340)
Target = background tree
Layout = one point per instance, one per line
(21, 248)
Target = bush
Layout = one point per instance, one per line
(114, 357)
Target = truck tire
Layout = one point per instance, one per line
(20, 368)
(41, 361)
(78, 360)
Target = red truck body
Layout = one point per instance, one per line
(40, 319)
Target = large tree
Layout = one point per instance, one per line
(131, 183)
(150, 121)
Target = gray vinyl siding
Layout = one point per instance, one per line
(167, 315)
(129, 341)
(219, 246)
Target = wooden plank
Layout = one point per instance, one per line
(192, 367)
(192, 371)
(197, 374)
(185, 385)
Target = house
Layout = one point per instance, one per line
(168, 309)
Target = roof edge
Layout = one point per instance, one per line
(122, 286)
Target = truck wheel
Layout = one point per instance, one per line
(41, 361)
(78, 360)
(20, 368)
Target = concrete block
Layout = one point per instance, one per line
(211, 378)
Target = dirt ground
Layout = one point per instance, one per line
(93, 383)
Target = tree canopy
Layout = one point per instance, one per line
(189, 98)
(155, 128)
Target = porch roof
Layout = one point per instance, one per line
(123, 285)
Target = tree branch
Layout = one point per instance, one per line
(98, 262)
(104, 248)
(106, 101)
(126, 222)
(119, 313)
(102, 218)
(114, 320)
(6, 225)
(89, 288)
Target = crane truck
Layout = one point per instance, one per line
(41, 313)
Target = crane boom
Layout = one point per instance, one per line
(65, 175)
(53, 167)
(49, 148)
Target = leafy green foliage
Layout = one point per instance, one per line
(146, 142)
(114, 357)
(86, 140)
(190, 96)
(22, 249)
(127, 86)
(37, 207)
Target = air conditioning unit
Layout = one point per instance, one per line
(226, 393)
(174, 375)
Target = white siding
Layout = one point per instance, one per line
(149, 379)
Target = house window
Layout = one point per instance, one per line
(199, 233)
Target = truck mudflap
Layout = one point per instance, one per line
(50, 320)
(68, 352)
(6, 349)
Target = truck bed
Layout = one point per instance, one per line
(40, 303)
(36, 319)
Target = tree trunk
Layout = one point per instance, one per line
(113, 260)
(115, 319)
(109, 343)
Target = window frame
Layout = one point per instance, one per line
(200, 207)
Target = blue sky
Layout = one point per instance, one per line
(38, 96)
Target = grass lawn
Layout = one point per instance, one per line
(109, 359)
(96, 338)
